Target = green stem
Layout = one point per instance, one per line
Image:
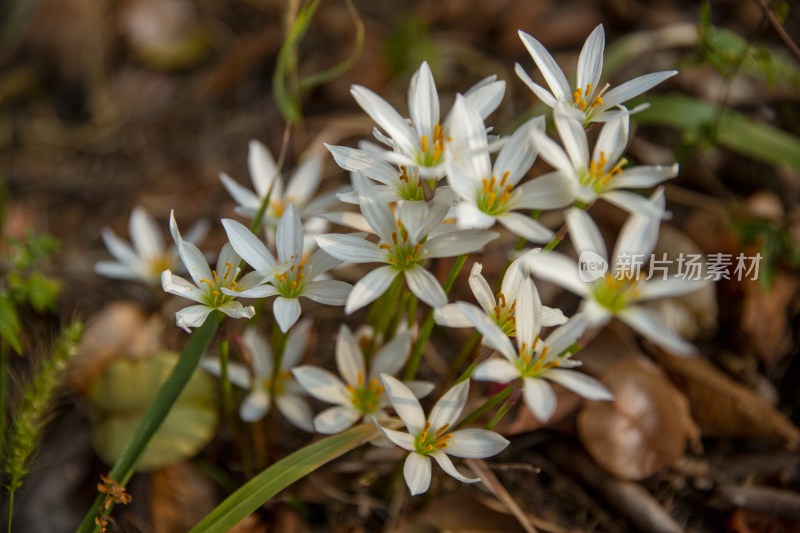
(388, 309)
(488, 404)
(224, 351)
(412, 310)
(280, 347)
(10, 509)
(187, 364)
(427, 327)
(498, 416)
(398, 314)
(3, 394)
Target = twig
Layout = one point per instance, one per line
(493, 484)
(778, 27)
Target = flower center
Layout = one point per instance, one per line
(277, 207)
(279, 384)
(402, 254)
(532, 362)
(291, 282)
(582, 98)
(427, 442)
(615, 292)
(597, 176)
(158, 264)
(493, 198)
(366, 398)
(214, 297)
(410, 188)
(504, 314)
(431, 151)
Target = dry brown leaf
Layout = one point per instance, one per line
(179, 498)
(646, 426)
(764, 317)
(120, 329)
(724, 408)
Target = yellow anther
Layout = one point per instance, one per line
(216, 293)
(424, 141)
(576, 96)
(544, 351)
(294, 284)
(373, 384)
(442, 430)
(417, 248)
(505, 177)
(394, 238)
(385, 247)
(360, 379)
(216, 279)
(351, 389)
(502, 299)
(485, 185)
(210, 285)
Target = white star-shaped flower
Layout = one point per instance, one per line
(490, 194)
(618, 291)
(148, 257)
(295, 277)
(600, 175)
(405, 243)
(537, 361)
(212, 289)
(289, 396)
(422, 142)
(431, 437)
(588, 102)
(360, 396)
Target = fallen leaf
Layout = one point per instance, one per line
(724, 408)
(646, 426)
(180, 496)
(764, 317)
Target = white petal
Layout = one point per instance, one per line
(579, 383)
(377, 213)
(469, 216)
(450, 316)
(590, 62)
(525, 227)
(177, 285)
(547, 65)
(447, 466)
(425, 286)
(493, 336)
(573, 136)
(296, 410)
(370, 287)
(286, 311)
(661, 288)
(404, 403)
(336, 419)
(423, 101)
(557, 268)
(404, 440)
(349, 359)
(259, 291)
(475, 444)
(457, 243)
(552, 317)
(584, 233)
(386, 117)
(638, 235)
(320, 262)
(391, 358)
(417, 473)
(328, 292)
(305, 181)
(192, 316)
(528, 315)
(237, 374)
(517, 155)
(296, 344)
(650, 325)
(120, 249)
(249, 247)
(192, 258)
(643, 176)
(112, 269)
(485, 98)
(350, 248)
(565, 336)
(260, 351)
(237, 310)
(322, 384)
(263, 169)
(420, 388)
(612, 141)
(635, 87)
(540, 92)
(145, 235)
(481, 289)
(539, 398)
(549, 191)
(553, 153)
(448, 408)
(635, 204)
(290, 236)
(496, 370)
(255, 405)
(241, 195)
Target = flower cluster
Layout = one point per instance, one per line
(431, 188)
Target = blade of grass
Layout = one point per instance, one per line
(280, 475)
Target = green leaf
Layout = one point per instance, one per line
(286, 98)
(280, 475)
(736, 131)
(125, 391)
(9, 323)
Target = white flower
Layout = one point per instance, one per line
(147, 258)
(429, 437)
(587, 102)
(405, 242)
(602, 175)
(288, 394)
(500, 309)
(537, 360)
(617, 292)
(300, 191)
(490, 194)
(295, 277)
(212, 289)
(360, 396)
(422, 142)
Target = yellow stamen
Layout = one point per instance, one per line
(424, 141)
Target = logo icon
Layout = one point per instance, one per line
(591, 266)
